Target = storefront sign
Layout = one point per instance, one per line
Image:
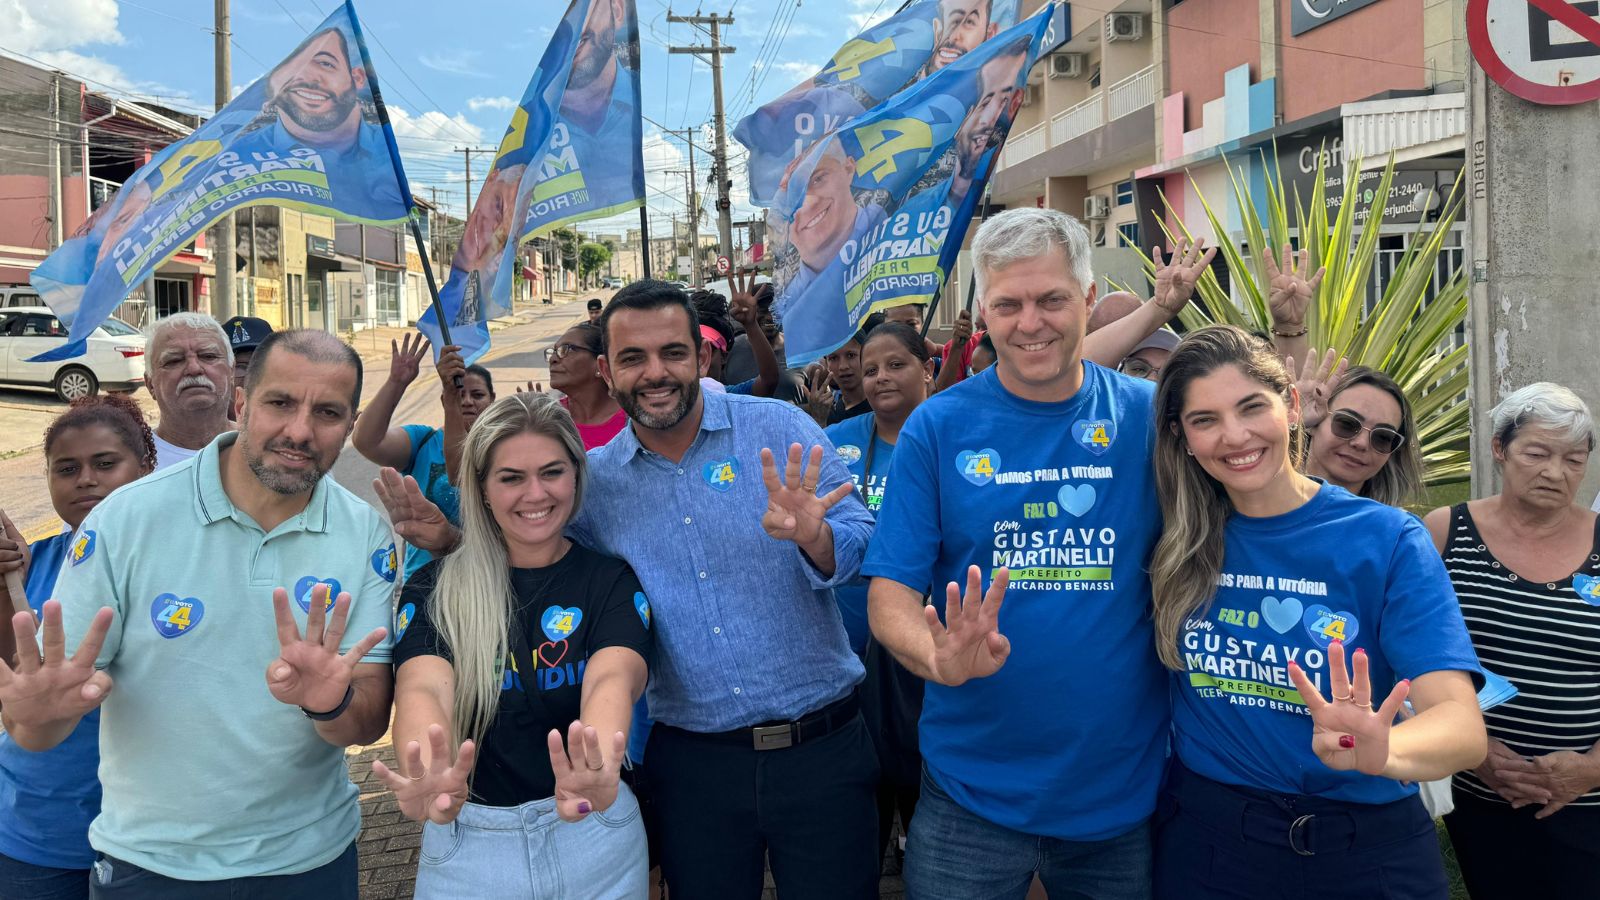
(1308, 14)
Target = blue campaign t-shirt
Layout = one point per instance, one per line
(47, 800)
(1069, 738)
(1340, 567)
(428, 468)
(857, 442)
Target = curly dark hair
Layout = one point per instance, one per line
(117, 412)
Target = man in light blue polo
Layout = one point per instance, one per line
(242, 650)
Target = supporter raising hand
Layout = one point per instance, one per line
(794, 511)
(44, 695)
(586, 778)
(1346, 731)
(1289, 300)
(1317, 382)
(968, 643)
(1177, 276)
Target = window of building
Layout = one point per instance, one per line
(1130, 235)
(1125, 192)
(1094, 78)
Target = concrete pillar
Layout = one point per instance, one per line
(1535, 308)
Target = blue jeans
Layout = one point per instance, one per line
(26, 881)
(527, 851)
(954, 853)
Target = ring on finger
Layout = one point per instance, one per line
(1345, 699)
(599, 768)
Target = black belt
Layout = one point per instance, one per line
(1307, 825)
(778, 735)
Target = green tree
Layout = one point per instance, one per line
(592, 257)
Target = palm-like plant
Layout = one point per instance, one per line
(1404, 335)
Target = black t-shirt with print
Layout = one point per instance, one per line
(567, 612)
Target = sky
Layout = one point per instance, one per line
(450, 72)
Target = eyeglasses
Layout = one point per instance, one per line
(560, 351)
(1347, 425)
(1138, 368)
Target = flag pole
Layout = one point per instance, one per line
(972, 285)
(644, 235)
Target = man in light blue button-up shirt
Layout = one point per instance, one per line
(740, 563)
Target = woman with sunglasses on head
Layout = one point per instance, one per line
(47, 800)
(518, 639)
(575, 372)
(427, 454)
(1289, 775)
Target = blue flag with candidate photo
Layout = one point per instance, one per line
(312, 135)
(574, 151)
(874, 214)
(922, 38)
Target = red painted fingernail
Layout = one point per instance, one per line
(1339, 644)
(1346, 741)
(1361, 651)
(583, 808)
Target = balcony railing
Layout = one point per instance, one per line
(1133, 93)
(1077, 121)
(1026, 145)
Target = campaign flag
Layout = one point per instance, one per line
(920, 39)
(311, 134)
(574, 151)
(874, 215)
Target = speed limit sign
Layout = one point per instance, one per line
(1546, 51)
(723, 265)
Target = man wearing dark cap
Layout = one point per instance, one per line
(594, 309)
(245, 334)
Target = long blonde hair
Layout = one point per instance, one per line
(1194, 506)
(472, 599)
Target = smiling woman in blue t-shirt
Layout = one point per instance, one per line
(1289, 776)
(48, 799)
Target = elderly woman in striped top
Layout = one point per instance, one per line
(1526, 567)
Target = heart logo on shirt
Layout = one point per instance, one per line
(386, 562)
(978, 466)
(176, 616)
(305, 586)
(557, 652)
(1588, 588)
(1076, 499)
(1326, 626)
(559, 622)
(1281, 615)
(402, 619)
(1095, 435)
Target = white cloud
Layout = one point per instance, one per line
(33, 25)
(868, 13)
(479, 104)
(797, 70)
(454, 62)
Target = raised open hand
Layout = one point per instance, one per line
(310, 672)
(1177, 276)
(433, 792)
(405, 358)
(1291, 290)
(968, 643)
(1346, 733)
(586, 778)
(533, 387)
(794, 511)
(1317, 382)
(52, 687)
(417, 520)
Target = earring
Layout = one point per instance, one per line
(1189, 450)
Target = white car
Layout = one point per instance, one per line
(114, 360)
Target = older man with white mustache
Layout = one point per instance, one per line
(191, 376)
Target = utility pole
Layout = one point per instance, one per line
(467, 153)
(56, 231)
(694, 222)
(720, 158)
(224, 255)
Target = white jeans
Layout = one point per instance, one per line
(528, 852)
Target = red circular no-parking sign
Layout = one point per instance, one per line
(1546, 51)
